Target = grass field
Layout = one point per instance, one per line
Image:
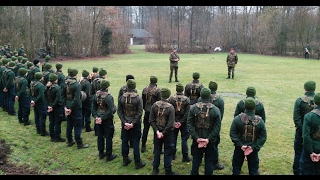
(278, 80)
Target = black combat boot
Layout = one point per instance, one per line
(71, 143)
(102, 155)
(89, 129)
(60, 139)
(26, 123)
(38, 131)
(110, 158)
(228, 77)
(126, 161)
(169, 81)
(218, 166)
(232, 76)
(170, 172)
(155, 171)
(44, 133)
(177, 80)
(81, 145)
(139, 165)
(186, 158)
(174, 156)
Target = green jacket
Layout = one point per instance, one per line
(192, 90)
(61, 79)
(8, 78)
(107, 104)
(71, 97)
(2, 68)
(181, 111)
(311, 131)
(133, 110)
(258, 111)
(299, 108)
(237, 132)
(86, 87)
(200, 128)
(21, 87)
(232, 59)
(169, 117)
(53, 95)
(37, 92)
(172, 57)
(217, 101)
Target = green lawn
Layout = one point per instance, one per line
(278, 80)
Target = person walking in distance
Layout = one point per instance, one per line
(130, 109)
(102, 113)
(150, 94)
(162, 117)
(174, 59)
(302, 106)
(181, 104)
(232, 60)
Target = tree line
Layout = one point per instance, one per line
(102, 30)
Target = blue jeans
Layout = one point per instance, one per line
(146, 127)
(184, 138)
(197, 156)
(133, 134)
(55, 120)
(237, 161)
(86, 113)
(308, 167)
(105, 133)
(167, 141)
(40, 115)
(216, 151)
(74, 121)
(297, 151)
(24, 109)
(9, 100)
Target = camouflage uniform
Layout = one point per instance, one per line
(174, 58)
(232, 60)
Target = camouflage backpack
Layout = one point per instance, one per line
(179, 103)
(69, 93)
(202, 117)
(149, 92)
(17, 81)
(96, 84)
(194, 90)
(249, 130)
(310, 104)
(33, 85)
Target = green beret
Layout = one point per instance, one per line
(213, 86)
(102, 72)
(20, 58)
(85, 73)
(165, 93)
(205, 93)
(47, 57)
(9, 59)
(310, 86)
(179, 87)
(249, 103)
(22, 71)
(59, 65)
(196, 75)
(95, 69)
(53, 77)
(251, 91)
(131, 83)
(29, 64)
(5, 61)
(12, 63)
(153, 79)
(24, 60)
(21, 45)
(104, 84)
(73, 72)
(48, 66)
(38, 75)
(15, 52)
(13, 58)
(316, 99)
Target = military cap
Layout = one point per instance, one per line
(13, 58)
(24, 60)
(317, 99)
(196, 75)
(12, 63)
(165, 93)
(310, 86)
(251, 91)
(53, 77)
(213, 86)
(20, 58)
(29, 64)
(38, 75)
(95, 69)
(5, 61)
(179, 87)
(129, 76)
(205, 93)
(85, 73)
(102, 72)
(48, 66)
(153, 79)
(131, 83)
(104, 84)
(59, 65)
(73, 72)
(22, 71)
(249, 103)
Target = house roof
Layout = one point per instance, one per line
(140, 33)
